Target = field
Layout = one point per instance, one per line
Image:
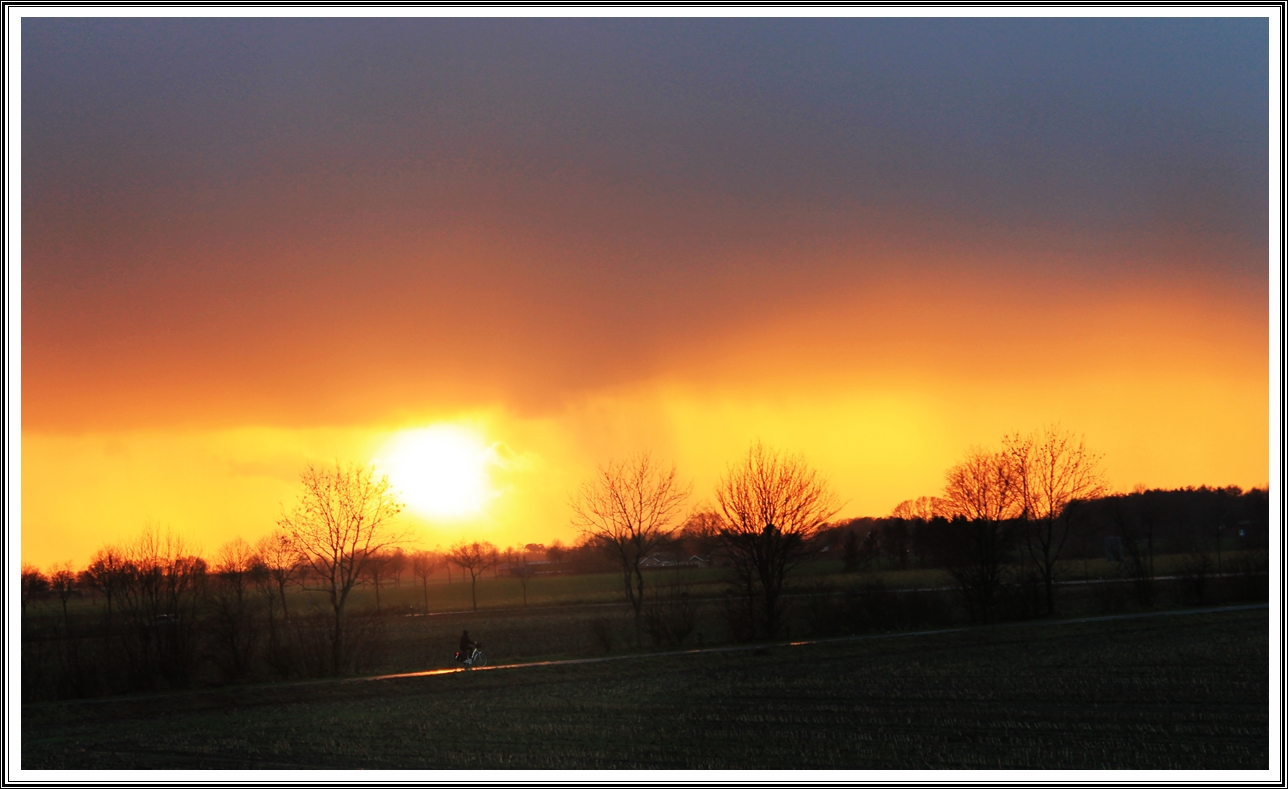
(566, 616)
(1161, 692)
(505, 592)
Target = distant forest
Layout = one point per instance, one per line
(1157, 521)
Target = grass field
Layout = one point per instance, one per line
(1179, 691)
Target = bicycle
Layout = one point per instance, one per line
(475, 659)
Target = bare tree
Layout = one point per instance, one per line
(701, 532)
(771, 505)
(33, 583)
(234, 622)
(1055, 472)
(343, 517)
(396, 565)
(983, 496)
(441, 556)
(280, 560)
(629, 510)
(474, 557)
(233, 565)
(422, 565)
(524, 572)
(106, 574)
(556, 553)
(62, 579)
(165, 585)
(922, 508)
(377, 568)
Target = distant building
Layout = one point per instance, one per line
(654, 560)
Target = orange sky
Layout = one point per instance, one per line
(1169, 387)
(577, 240)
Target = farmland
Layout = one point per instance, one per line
(1164, 692)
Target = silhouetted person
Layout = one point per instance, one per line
(467, 645)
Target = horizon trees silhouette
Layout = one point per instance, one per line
(164, 630)
(1013, 512)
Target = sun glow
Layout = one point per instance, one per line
(440, 471)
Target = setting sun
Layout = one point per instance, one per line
(439, 471)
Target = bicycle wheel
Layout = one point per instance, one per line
(480, 659)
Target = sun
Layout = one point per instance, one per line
(440, 471)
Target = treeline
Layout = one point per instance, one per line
(1005, 529)
(1215, 532)
(154, 614)
(163, 617)
(1168, 521)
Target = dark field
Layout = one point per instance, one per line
(80, 658)
(1163, 692)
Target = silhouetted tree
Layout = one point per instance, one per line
(701, 534)
(235, 628)
(524, 572)
(770, 505)
(474, 557)
(377, 566)
(1055, 473)
(556, 553)
(62, 579)
(106, 573)
(163, 590)
(280, 560)
(422, 565)
(923, 508)
(630, 510)
(983, 494)
(34, 582)
(396, 565)
(343, 517)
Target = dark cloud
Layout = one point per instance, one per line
(547, 204)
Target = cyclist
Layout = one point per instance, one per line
(467, 646)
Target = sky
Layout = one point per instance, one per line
(525, 247)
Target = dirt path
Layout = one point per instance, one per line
(841, 639)
(670, 653)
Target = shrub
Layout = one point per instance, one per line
(670, 618)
